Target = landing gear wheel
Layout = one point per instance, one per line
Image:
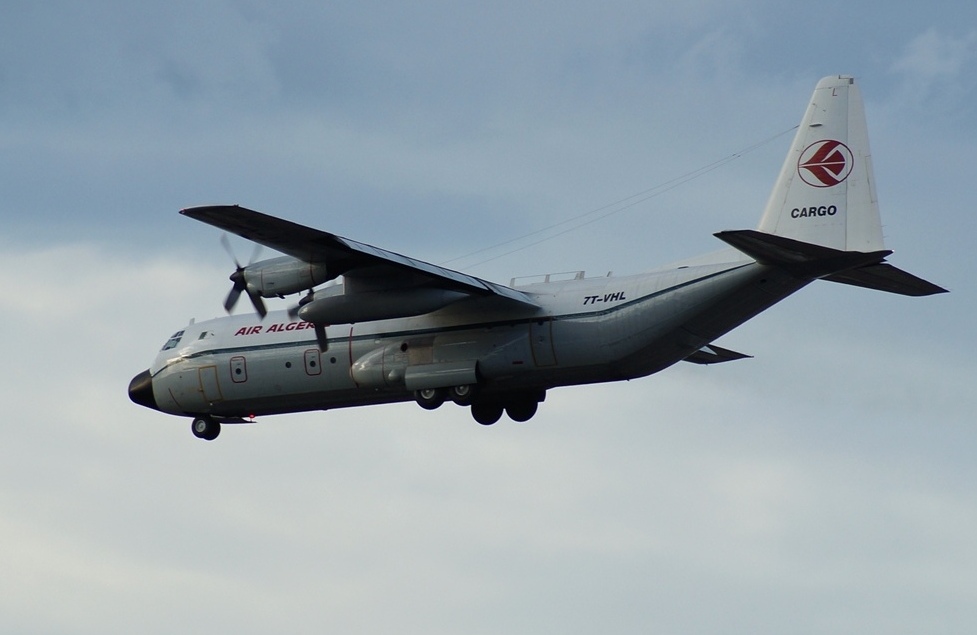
(486, 413)
(205, 428)
(521, 410)
(429, 398)
(462, 395)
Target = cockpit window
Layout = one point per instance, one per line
(173, 341)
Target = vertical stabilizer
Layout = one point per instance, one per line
(825, 194)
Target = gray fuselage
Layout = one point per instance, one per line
(586, 331)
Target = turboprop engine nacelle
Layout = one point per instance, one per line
(368, 306)
(283, 276)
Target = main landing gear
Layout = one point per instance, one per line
(485, 410)
(205, 428)
(432, 398)
(519, 410)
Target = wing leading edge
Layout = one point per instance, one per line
(360, 263)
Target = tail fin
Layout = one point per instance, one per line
(825, 194)
(822, 217)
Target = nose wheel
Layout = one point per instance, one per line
(205, 428)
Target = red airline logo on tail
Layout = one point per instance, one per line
(825, 163)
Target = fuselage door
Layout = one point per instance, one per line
(541, 337)
(208, 384)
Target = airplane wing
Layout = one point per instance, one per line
(356, 261)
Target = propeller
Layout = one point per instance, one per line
(320, 329)
(320, 337)
(240, 282)
(293, 311)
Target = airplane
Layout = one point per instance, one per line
(396, 329)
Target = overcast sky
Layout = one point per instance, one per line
(826, 486)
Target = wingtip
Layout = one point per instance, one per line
(196, 210)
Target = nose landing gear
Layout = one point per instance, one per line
(205, 428)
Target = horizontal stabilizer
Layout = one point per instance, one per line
(862, 269)
(805, 258)
(885, 277)
(712, 354)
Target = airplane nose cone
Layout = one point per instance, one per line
(141, 390)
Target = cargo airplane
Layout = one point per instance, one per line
(398, 329)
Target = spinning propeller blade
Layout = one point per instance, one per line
(320, 337)
(240, 281)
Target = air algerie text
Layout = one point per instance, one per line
(275, 328)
